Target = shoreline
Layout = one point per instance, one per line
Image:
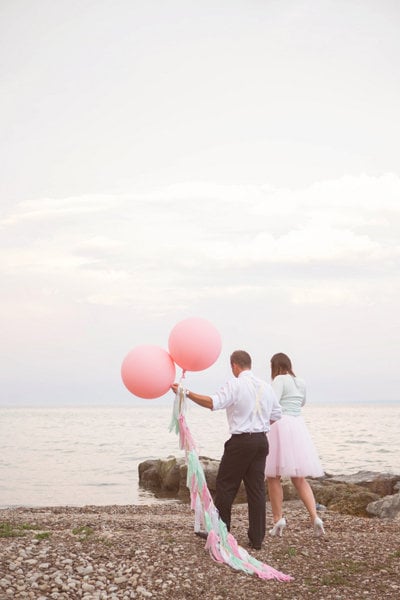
(148, 497)
(138, 551)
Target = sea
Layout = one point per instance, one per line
(80, 456)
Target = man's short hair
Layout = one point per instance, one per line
(241, 358)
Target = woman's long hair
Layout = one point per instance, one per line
(281, 365)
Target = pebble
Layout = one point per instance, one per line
(132, 566)
(141, 590)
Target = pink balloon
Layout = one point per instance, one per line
(148, 371)
(194, 344)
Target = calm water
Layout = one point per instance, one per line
(79, 456)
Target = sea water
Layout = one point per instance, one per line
(80, 456)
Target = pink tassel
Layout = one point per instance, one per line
(182, 431)
(271, 573)
(212, 545)
(194, 492)
(206, 497)
(232, 554)
(233, 545)
(186, 440)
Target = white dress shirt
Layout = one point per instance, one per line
(250, 403)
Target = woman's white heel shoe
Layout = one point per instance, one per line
(318, 527)
(278, 527)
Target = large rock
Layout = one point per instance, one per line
(149, 476)
(167, 477)
(347, 494)
(386, 508)
(353, 494)
(345, 498)
(383, 484)
(161, 476)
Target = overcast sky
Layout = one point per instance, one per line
(233, 160)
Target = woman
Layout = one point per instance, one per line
(291, 450)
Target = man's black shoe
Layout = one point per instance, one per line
(254, 547)
(202, 534)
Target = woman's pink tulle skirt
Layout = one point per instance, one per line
(291, 450)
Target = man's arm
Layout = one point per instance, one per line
(204, 401)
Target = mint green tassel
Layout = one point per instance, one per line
(174, 424)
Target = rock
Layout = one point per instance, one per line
(382, 484)
(161, 476)
(149, 476)
(386, 508)
(170, 475)
(167, 477)
(347, 494)
(345, 498)
(353, 502)
(210, 468)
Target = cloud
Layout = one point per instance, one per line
(53, 209)
(86, 278)
(178, 241)
(298, 249)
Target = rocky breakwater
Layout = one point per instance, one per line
(363, 494)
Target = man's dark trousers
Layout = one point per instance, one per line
(244, 460)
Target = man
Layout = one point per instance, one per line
(251, 406)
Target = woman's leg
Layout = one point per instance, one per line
(306, 495)
(275, 494)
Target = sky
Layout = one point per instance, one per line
(233, 160)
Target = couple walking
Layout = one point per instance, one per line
(254, 409)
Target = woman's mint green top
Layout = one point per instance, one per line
(291, 393)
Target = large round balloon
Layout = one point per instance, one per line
(148, 371)
(194, 344)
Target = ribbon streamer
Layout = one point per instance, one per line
(221, 544)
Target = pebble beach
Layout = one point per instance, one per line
(124, 552)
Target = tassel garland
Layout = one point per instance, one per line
(221, 545)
